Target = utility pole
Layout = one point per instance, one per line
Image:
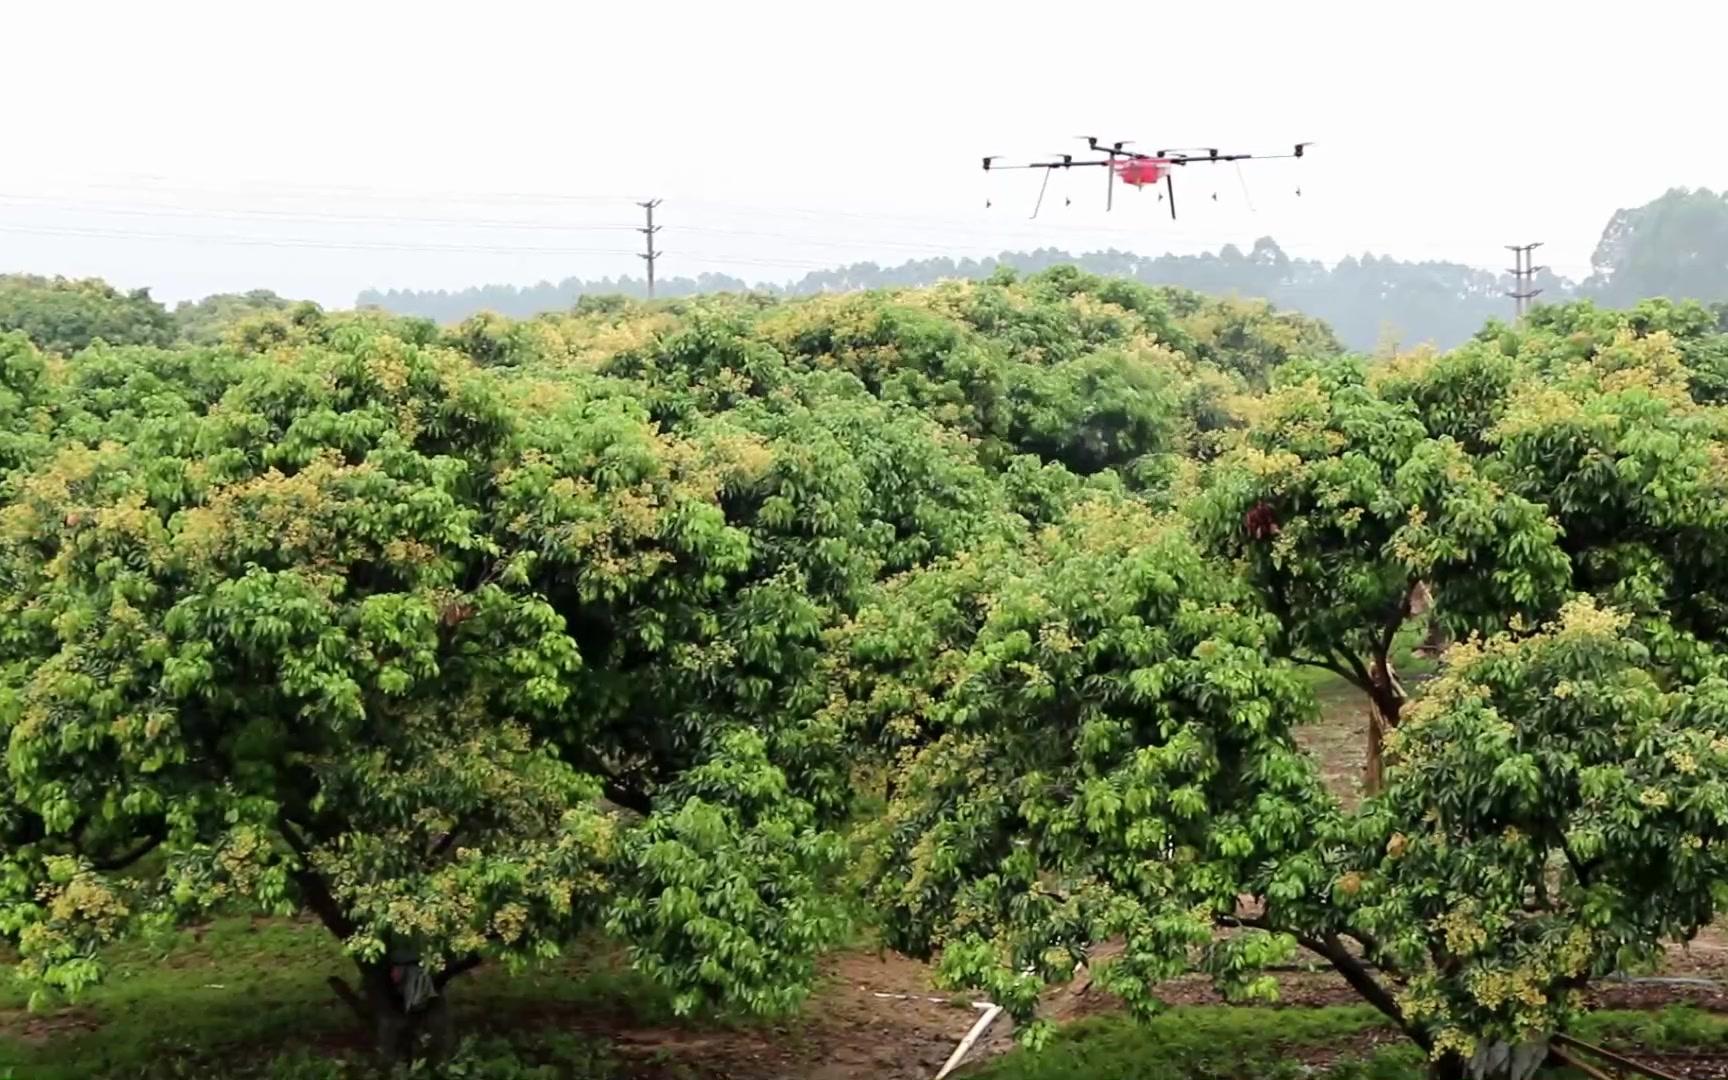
(649, 232)
(1524, 276)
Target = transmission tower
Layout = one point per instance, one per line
(1524, 277)
(648, 232)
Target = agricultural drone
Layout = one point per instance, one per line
(1136, 169)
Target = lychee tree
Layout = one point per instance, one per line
(370, 633)
(1340, 509)
(1092, 747)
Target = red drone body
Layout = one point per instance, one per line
(1141, 171)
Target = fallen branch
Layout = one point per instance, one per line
(1571, 1062)
(990, 1014)
(1612, 1058)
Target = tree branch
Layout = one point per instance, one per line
(1354, 970)
(441, 847)
(1612, 1058)
(313, 891)
(1246, 922)
(1363, 680)
(1354, 973)
(1323, 665)
(1372, 952)
(1400, 616)
(152, 840)
(458, 967)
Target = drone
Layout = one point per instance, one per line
(1136, 169)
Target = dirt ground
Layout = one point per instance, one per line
(879, 1018)
(876, 1017)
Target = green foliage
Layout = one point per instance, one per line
(278, 644)
(210, 320)
(1338, 501)
(1610, 420)
(62, 316)
(1554, 811)
(26, 417)
(648, 619)
(1089, 742)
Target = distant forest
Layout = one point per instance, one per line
(1675, 246)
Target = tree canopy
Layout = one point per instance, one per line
(692, 622)
(62, 316)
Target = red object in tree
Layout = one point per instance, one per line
(1141, 171)
(1260, 522)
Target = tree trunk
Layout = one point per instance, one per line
(1449, 1067)
(1436, 642)
(402, 1035)
(1385, 703)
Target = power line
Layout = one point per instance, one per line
(287, 189)
(1523, 277)
(300, 242)
(709, 257)
(648, 234)
(313, 217)
(930, 229)
(925, 226)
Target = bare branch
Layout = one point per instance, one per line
(152, 840)
(1590, 1072)
(1612, 1058)
(1323, 665)
(456, 967)
(1356, 974)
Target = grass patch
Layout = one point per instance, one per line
(1214, 1043)
(242, 991)
(1340, 1043)
(1675, 1028)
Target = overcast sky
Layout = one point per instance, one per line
(318, 148)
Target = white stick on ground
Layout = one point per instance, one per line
(920, 997)
(991, 1012)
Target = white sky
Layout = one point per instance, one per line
(318, 148)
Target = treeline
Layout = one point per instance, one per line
(1367, 300)
(64, 315)
(1675, 246)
